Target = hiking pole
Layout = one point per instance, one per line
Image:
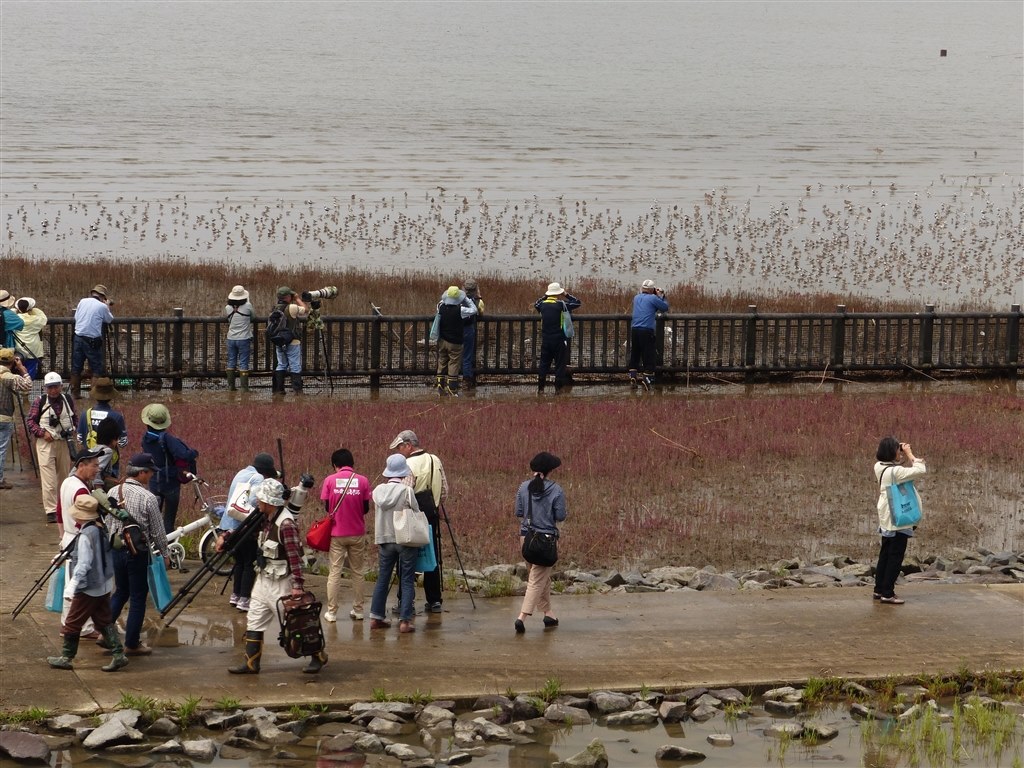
(401, 340)
(455, 545)
(28, 436)
(209, 569)
(55, 565)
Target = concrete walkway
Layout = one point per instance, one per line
(669, 640)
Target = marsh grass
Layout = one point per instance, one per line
(153, 287)
(783, 476)
(550, 691)
(23, 716)
(146, 705)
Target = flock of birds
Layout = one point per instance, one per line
(958, 241)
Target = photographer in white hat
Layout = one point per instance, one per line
(643, 341)
(554, 306)
(239, 311)
(51, 420)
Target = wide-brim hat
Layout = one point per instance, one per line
(29, 304)
(100, 289)
(6, 299)
(270, 491)
(103, 388)
(544, 462)
(238, 293)
(554, 289)
(397, 466)
(6, 355)
(405, 436)
(85, 508)
(156, 415)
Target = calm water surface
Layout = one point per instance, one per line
(781, 144)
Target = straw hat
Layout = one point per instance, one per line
(85, 508)
(100, 289)
(6, 300)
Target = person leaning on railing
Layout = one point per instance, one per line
(91, 314)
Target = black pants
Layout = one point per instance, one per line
(432, 588)
(244, 571)
(642, 349)
(890, 561)
(553, 350)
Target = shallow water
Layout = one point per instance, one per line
(823, 145)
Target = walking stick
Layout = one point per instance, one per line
(443, 513)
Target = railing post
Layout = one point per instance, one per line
(1013, 340)
(839, 339)
(927, 335)
(750, 341)
(177, 341)
(376, 329)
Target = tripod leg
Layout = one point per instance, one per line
(327, 361)
(455, 546)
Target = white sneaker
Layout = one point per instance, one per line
(355, 615)
(330, 616)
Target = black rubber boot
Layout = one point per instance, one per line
(117, 659)
(67, 654)
(243, 380)
(253, 652)
(278, 385)
(317, 662)
(297, 383)
(231, 380)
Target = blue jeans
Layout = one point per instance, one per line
(289, 358)
(469, 350)
(131, 585)
(239, 351)
(390, 556)
(6, 433)
(85, 348)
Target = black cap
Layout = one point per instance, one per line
(264, 464)
(142, 461)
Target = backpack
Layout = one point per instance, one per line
(278, 333)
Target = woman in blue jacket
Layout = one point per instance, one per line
(173, 459)
(543, 501)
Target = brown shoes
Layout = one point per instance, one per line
(379, 624)
(405, 627)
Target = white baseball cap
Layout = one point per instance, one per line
(52, 378)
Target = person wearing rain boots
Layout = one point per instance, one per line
(239, 311)
(278, 574)
(92, 569)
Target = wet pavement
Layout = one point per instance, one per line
(621, 641)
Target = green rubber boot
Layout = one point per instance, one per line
(117, 658)
(67, 654)
(253, 652)
(231, 379)
(243, 380)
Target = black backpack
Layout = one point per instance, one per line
(278, 333)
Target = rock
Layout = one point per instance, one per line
(817, 580)
(405, 752)
(128, 749)
(269, 733)
(675, 575)
(819, 731)
(706, 699)
(913, 693)
(673, 753)
(856, 569)
(129, 717)
(560, 713)
(594, 756)
(369, 744)
(114, 731)
(729, 696)
(644, 716)
(778, 693)
(432, 716)
(606, 702)
(220, 720)
(380, 726)
(690, 694)
(615, 580)
(526, 708)
(856, 689)
(490, 731)
(25, 747)
(778, 730)
(785, 565)
(65, 723)
(459, 758)
(787, 708)
(673, 711)
(172, 747)
(703, 712)
(341, 742)
(200, 749)
(864, 712)
(228, 752)
(720, 739)
(240, 742)
(492, 700)
(261, 713)
(704, 580)
(976, 570)
(498, 572)
(163, 726)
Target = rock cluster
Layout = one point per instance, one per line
(445, 733)
(959, 567)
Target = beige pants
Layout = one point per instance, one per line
(54, 467)
(352, 548)
(449, 359)
(538, 590)
(262, 613)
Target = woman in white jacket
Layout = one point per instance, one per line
(389, 497)
(895, 463)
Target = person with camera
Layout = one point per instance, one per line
(278, 574)
(92, 315)
(173, 458)
(14, 380)
(287, 338)
(540, 505)
(51, 420)
(10, 323)
(239, 311)
(472, 291)
(555, 307)
(29, 340)
(241, 501)
(77, 484)
(453, 310)
(895, 462)
(643, 347)
(131, 571)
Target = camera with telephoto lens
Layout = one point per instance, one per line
(327, 292)
(297, 496)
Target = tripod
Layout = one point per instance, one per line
(442, 514)
(54, 566)
(28, 436)
(317, 324)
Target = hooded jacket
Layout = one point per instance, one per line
(548, 507)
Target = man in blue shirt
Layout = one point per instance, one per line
(91, 314)
(646, 306)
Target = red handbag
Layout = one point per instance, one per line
(319, 535)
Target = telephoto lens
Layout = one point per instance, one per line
(327, 292)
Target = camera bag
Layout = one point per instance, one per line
(301, 634)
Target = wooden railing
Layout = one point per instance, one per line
(751, 344)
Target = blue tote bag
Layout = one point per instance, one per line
(55, 590)
(426, 560)
(159, 584)
(904, 504)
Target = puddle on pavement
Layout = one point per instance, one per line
(626, 746)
